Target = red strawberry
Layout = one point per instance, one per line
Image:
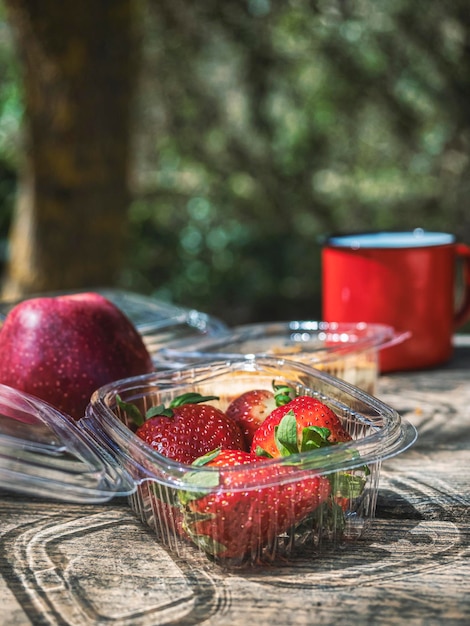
(251, 506)
(302, 424)
(252, 407)
(189, 428)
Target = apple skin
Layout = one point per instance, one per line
(61, 349)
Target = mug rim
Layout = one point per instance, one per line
(417, 238)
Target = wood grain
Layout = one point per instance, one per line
(64, 564)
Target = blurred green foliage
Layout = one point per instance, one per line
(262, 126)
(10, 117)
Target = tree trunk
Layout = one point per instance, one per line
(79, 64)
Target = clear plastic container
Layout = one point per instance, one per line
(348, 351)
(43, 453)
(162, 485)
(161, 324)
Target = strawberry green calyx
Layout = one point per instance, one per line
(330, 516)
(282, 394)
(131, 409)
(200, 478)
(206, 458)
(349, 485)
(285, 436)
(160, 409)
(191, 398)
(185, 398)
(345, 488)
(205, 542)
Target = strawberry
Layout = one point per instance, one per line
(188, 428)
(305, 424)
(251, 408)
(250, 507)
(302, 424)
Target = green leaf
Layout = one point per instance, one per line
(261, 452)
(329, 516)
(285, 435)
(314, 437)
(346, 485)
(204, 479)
(207, 543)
(131, 410)
(282, 394)
(191, 518)
(354, 454)
(191, 398)
(206, 458)
(159, 409)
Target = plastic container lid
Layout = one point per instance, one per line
(44, 453)
(322, 341)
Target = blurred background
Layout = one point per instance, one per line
(200, 152)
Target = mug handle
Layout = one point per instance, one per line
(463, 313)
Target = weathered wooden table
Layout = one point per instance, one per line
(65, 564)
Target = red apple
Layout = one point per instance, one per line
(62, 348)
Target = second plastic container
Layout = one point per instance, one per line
(347, 351)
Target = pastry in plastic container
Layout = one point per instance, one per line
(349, 351)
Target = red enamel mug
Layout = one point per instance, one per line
(404, 279)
